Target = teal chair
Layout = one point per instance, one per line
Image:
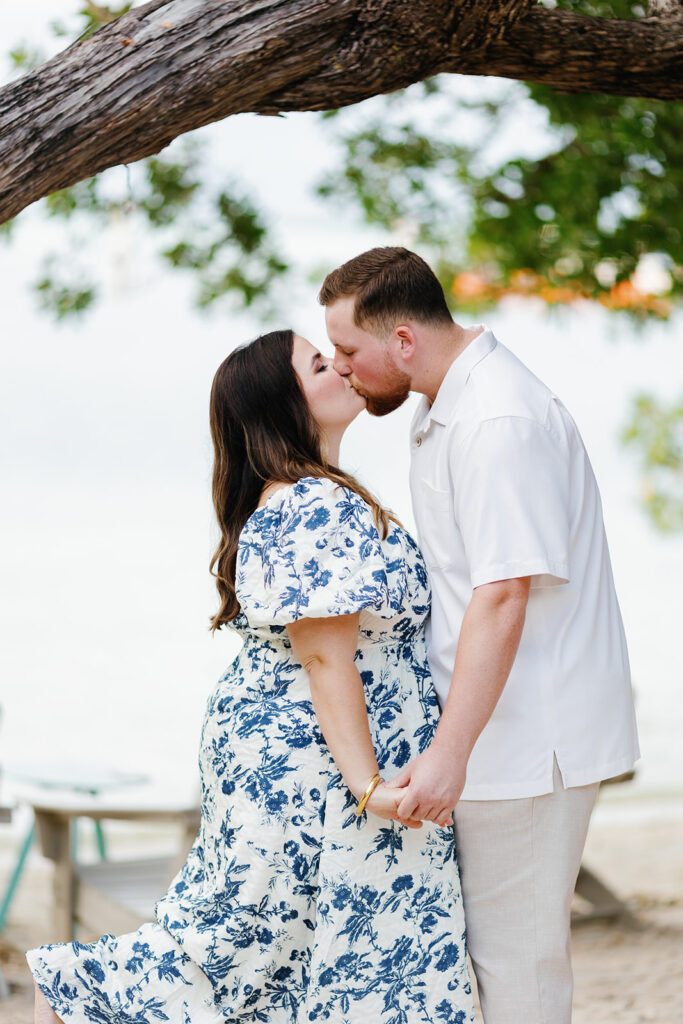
(62, 778)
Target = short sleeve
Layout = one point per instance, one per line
(315, 554)
(511, 483)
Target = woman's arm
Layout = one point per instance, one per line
(326, 649)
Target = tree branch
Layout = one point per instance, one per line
(575, 53)
(174, 65)
(479, 22)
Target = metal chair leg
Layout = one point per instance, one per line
(99, 834)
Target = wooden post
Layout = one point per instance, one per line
(55, 843)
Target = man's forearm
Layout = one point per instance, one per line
(488, 643)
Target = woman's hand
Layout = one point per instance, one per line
(384, 803)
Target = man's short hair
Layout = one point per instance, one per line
(389, 284)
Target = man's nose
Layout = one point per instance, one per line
(340, 365)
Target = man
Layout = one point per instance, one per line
(525, 641)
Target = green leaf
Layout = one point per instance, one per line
(655, 431)
(63, 300)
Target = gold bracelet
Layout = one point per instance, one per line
(372, 786)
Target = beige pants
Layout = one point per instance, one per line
(518, 865)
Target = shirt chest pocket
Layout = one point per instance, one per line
(439, 536)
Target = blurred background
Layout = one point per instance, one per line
(556, 220)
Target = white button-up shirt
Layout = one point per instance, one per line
(502, 487)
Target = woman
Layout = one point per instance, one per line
(303, 897)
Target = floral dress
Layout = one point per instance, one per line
(289, 909)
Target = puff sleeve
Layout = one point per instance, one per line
(314, 553)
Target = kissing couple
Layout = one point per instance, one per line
(400, 765)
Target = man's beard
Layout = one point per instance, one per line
(396, 391)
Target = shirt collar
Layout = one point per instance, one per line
(456, 377)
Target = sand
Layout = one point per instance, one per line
(623, 975)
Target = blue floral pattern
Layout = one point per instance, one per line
(289, 909)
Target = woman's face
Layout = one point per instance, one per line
(331, 399)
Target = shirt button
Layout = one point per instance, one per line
(418, 441)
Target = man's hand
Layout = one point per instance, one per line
(384, 803)
(433, 784)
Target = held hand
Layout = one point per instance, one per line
(432, 787)
(384, 802)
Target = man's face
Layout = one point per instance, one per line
(365, 360)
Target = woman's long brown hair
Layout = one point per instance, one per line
(263, 432)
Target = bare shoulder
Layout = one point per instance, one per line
(272, 488)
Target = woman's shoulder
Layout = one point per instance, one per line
(310, 505)
(309, 490)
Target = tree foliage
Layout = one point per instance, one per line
(576, 221)
(219, 236)
(655, 430)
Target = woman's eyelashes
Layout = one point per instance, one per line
(321, 367)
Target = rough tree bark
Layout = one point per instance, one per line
(173, 65)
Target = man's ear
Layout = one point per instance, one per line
(406, 342)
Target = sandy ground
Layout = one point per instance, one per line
(623, 975)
